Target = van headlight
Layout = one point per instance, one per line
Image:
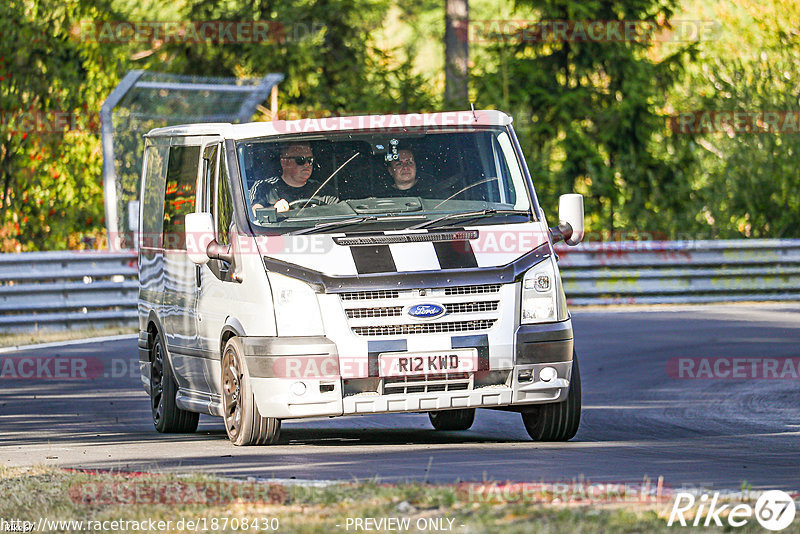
(543, 298)
(296, 307)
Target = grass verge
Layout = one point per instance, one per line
(49, 336)
(223, 505)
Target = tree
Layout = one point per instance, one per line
(50, 187)
(324, 48)
(591, 111)
(456, 51)
(747, 175)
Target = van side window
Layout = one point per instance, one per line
(179, 196)
(224, 214)
(153, 197)
(209, 173)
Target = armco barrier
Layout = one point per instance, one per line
(57, 290)
(655, 272)
(83, 289)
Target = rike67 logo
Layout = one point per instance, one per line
(774, 510)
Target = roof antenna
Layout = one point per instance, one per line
(472, 107)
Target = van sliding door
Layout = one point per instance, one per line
(180, 280)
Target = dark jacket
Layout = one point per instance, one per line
(270, 190)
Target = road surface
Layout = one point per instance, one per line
(639, 417)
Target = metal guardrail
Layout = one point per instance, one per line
(84, 289)
(665, 272)
(57, 290)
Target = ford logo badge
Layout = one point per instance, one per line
(426, 311)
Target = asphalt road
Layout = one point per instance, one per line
(638, 417)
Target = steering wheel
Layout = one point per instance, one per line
(312, 202)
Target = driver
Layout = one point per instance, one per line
(294, 183)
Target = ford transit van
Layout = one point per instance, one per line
(352, 265)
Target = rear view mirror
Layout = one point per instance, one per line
(199, 233)
(570, 219)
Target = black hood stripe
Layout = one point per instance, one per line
(503, 274)
(455, 255)
(373, 259)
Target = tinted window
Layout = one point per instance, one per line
(153, 196)
(179, 195)
(224, 204)
(425, 174)
(209, 171)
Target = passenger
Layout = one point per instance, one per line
(407, 182)
(294, 183)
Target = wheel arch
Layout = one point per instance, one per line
(154, 329)
(233, 327)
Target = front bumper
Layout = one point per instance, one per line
(297, 377)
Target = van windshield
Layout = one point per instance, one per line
(395, 180)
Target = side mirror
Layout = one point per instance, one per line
(199, 234)
(570, 219)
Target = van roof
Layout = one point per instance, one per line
(457, 119)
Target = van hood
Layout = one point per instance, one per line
(369, 253)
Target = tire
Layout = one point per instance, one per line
(557, 421)
(452, 419)
(167, 417)
(243, 422)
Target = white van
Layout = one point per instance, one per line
(352, 265)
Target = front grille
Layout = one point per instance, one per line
(473, 307)
(426, 383)
(381, 312)
(425, 328)
(369, 295)
(363, 313)
(472, 290)
(397, 311)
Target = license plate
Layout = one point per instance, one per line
(428, 363)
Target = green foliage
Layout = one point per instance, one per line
(50, 179)
(592, 116)
(750, 179)
(324, 48)
(747, 182)
(591, 120)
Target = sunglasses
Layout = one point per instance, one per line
(401, 163)
(301, 160)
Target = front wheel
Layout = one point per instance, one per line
(167, 417)
(557, 421)
(243, 421)
(452, 419)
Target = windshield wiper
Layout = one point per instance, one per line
(468, 215)
(355, 220)
(333, 224)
